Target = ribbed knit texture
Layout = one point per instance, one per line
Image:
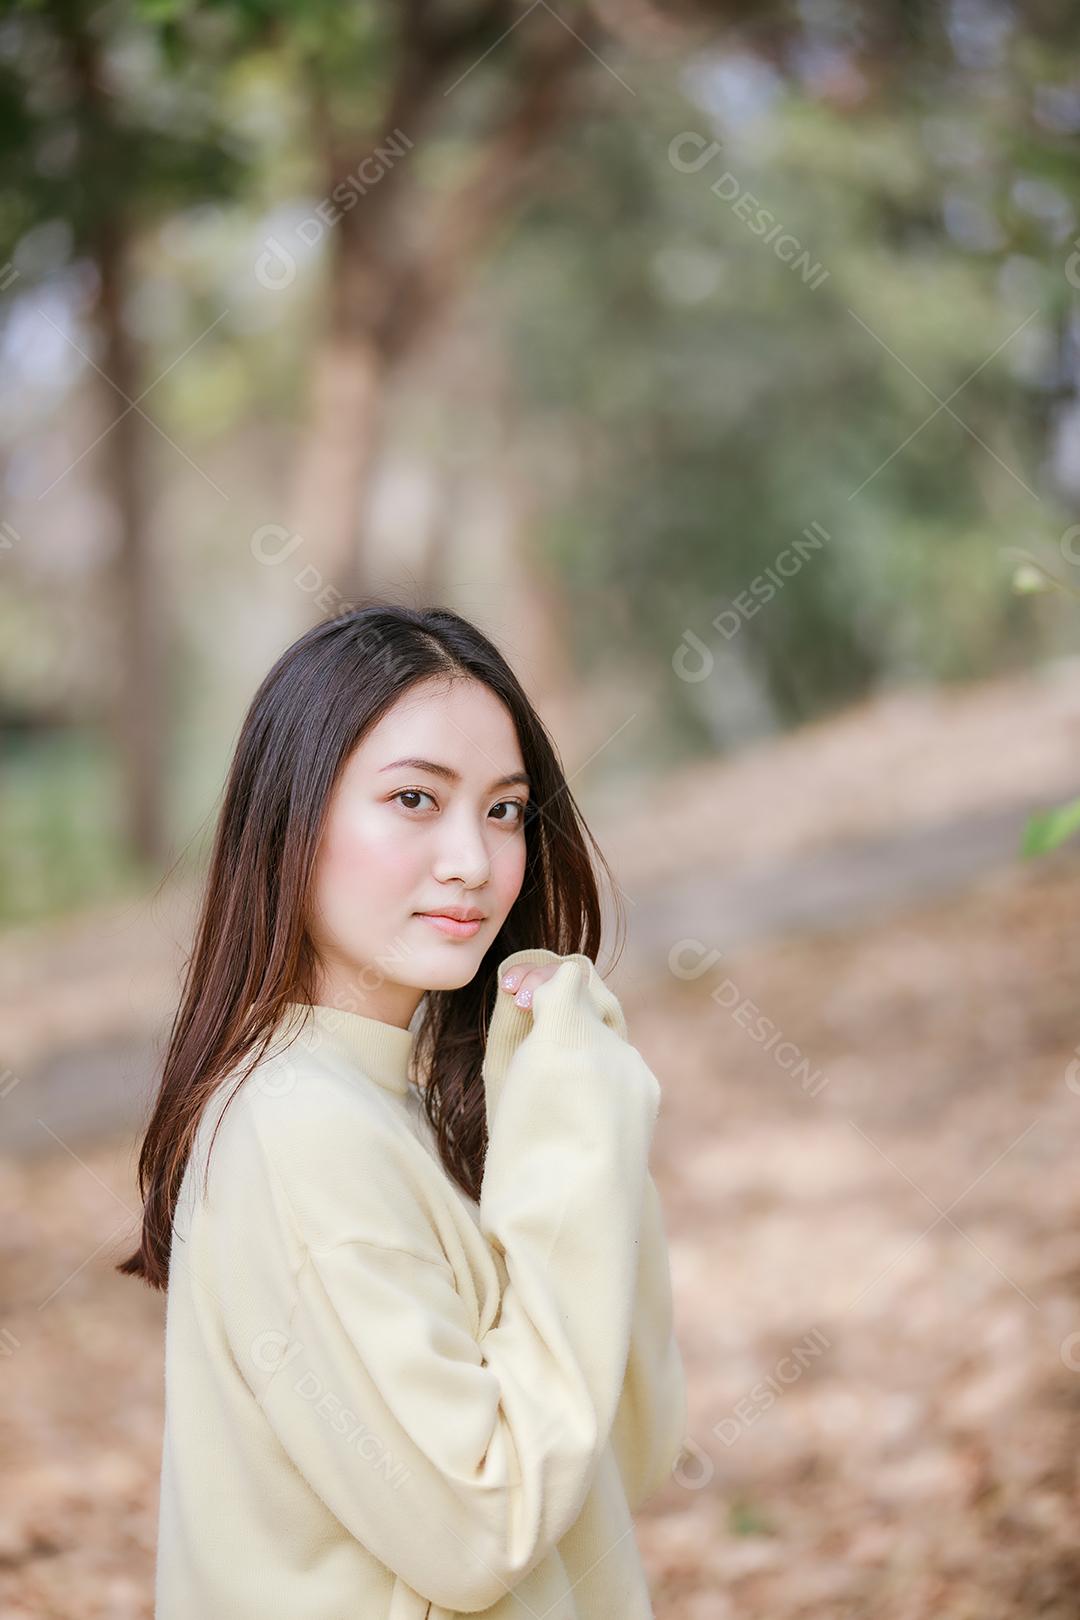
(386, 1400)
(382, 1051)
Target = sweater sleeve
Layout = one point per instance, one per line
(460, 1459)
(651, 1419)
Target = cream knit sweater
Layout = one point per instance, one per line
(386, 1401)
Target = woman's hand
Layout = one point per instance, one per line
(521, 981)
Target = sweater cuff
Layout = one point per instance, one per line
(566, 1009)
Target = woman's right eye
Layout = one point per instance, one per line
(413, 793)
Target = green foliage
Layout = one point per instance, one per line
(1049, 828)
(713, 403)
(99, 132)
(62, 847)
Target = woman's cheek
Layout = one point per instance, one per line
(377, 855)
(508, 872)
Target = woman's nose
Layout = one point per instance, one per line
(464, 855)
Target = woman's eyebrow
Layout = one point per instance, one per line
(515, 779)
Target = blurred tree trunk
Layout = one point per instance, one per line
(139, 717)
(398, 258)
(337, 453)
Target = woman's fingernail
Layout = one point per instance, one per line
(510, 979)
(523, 997)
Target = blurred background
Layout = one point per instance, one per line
(722, 362)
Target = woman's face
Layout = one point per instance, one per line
(427, 814)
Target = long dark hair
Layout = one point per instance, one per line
(252, 953)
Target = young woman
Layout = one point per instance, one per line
(419, 1347)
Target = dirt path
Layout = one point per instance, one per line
(877, 1264)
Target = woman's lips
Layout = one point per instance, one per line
(451, 925)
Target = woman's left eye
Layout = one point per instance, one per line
(515, 804)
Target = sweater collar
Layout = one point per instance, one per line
(382, 1051)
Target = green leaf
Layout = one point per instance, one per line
(1026, 578)
(1048, 828)
(745, 1518)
